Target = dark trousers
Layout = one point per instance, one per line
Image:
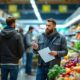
(42, 73)
(29, 57)
(9, 69)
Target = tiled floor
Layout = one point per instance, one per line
(23, 76)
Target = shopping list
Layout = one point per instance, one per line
(44, 53)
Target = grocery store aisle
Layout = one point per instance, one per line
(23, 76)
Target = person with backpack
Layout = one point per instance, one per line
(29, 51)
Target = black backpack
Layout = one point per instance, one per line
(25, 42)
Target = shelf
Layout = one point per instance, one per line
(73, 49)
(74, 40)
(77, 31)
(75, 17)
(72, 33)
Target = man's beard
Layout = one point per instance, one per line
(48, 32)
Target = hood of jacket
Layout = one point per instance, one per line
(7, 33)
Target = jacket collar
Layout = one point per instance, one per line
(53, 34)
(8, 27)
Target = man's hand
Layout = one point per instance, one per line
(35, 46)
(53, 53)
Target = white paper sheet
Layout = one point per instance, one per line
(44, 53)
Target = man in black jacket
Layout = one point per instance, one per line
(56, 43)
(11, 49)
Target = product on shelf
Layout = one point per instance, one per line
(78, 34)
(77, 45)
(55, 71)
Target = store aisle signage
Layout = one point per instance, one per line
(1, 13)
(12, 8)
(46, 8)
(16, 14)
(63, 8)
(60, 1)
(43, 1)
(14, 1)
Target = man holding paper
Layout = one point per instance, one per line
(49, 43)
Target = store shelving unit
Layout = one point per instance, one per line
(74, 49)
(71, 35)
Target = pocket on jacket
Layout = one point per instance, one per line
(56, 46)
(41, 44)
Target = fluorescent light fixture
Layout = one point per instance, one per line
(2, 19)
(75, 19)
(36, 10)
(60, 26)
(57, 26)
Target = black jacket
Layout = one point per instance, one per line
(11, 46)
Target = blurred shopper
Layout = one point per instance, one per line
(57, 44)
(21, 32)
(29, 51)
(11, 49)
(23, 59)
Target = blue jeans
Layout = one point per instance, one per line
(41, 73)
(9, 69)
(24, 59)
(29, 57)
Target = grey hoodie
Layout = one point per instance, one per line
(29, 40)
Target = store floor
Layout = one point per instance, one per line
(23, 76)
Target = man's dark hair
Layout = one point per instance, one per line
(51, 20)
(31, 28)
(20, 30)
(10, 20)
